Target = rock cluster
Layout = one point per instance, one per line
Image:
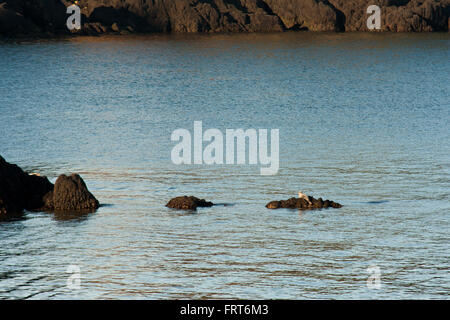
(188, 203)
(19, 17)
(299, 203)
(21, 191)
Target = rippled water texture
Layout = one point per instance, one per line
(363, 119)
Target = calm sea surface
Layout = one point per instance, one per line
(364, 120)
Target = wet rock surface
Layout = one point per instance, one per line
(22, 191)
(70, 194)
(299, 203)
(48, 17)
(188, 203)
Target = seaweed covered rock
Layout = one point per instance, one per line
(301, 203)
(70, 194)
(188, 203)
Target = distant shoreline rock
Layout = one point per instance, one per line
(299, 203)
(188, 203)
(20, 18)
(22, 191)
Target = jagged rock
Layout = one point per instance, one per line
(299, 203)
(94, 28)
(20, 190)
(305, 15)
(188, 203)
(396, 15)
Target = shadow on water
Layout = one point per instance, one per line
(80, 216)
(376, 202)
(7, 275)
(225, 204)
(106, 205)
(13, 217)
(183, 212)
(72, 215)
(58, 215)
(198, 210)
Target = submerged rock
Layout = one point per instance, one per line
(188, 203)
(299, 203)
(22, 191)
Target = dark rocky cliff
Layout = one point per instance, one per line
(48, 17)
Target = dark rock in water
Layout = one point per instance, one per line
(299, 203)
(39, 187)
(70, 194)
(188, 203)
(20, 190)
(8, 207)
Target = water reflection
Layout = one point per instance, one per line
(12, 217)
(77, 216)
(352, 128)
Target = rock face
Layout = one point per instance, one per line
(188, 203)
(396, 15)
(22, 17)
(298, 203)
(19, 191)
(48, 17)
